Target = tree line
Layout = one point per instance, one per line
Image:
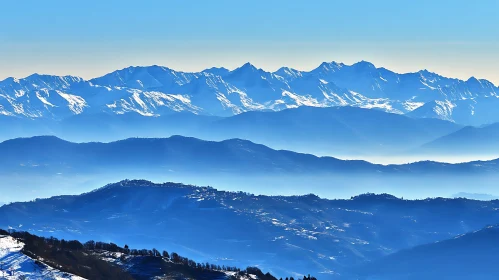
(55, 253)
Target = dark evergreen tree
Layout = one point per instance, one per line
(165, 254)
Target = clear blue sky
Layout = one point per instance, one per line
(89, 38)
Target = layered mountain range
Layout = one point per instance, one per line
(51, 155)
(116, 126)
(282, 234)
(467, 256)
(466, 141)
(156, 90)
(334, 131)
(46, 165)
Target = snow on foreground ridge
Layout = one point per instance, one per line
(15, 265)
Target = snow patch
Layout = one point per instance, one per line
(16, 265)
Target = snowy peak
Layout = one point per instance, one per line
(218, 71)
(335, 66)
(426, 72)
(156, 90)
(472, 79)
(364, 65)
(144, 77)
(54, 79)
(288, 73)
(40, 82)
(247, 67)
(329, 66)
(247, 70)
(475, 84)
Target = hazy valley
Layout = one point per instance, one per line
(293, 160)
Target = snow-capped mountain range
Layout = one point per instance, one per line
(156, 90)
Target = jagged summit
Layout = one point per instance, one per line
(329, 66)
(220, 71)
(288, 72)
(248, 65)
(472, 79)
(245, 69)
(157, 90)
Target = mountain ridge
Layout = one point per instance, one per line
(156, 90)
(341, 131)
(50, 153)
(302, 233)
(466, 256)
(467, 140)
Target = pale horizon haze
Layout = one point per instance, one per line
(89, 39)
